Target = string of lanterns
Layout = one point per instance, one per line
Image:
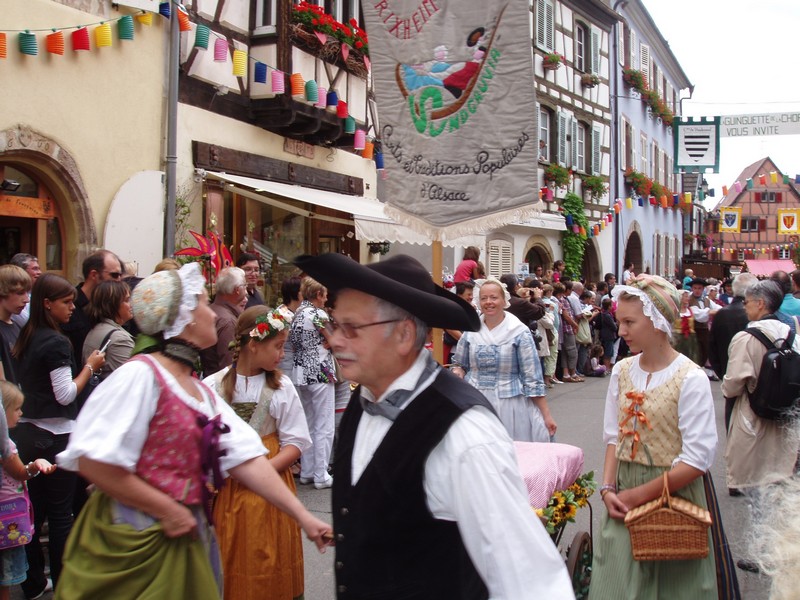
(304, 91)
(756, 250)
(762, 180)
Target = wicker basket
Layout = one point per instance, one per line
(668, 528)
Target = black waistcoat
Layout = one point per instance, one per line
(388, 544)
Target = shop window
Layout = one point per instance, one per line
(53, 246)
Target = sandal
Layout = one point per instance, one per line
(576, 379)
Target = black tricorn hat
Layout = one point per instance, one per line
(698, 281)
(400, 280)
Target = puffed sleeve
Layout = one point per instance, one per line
(696, 421)
(611, 413)
(286, 409)
(461, 354)
(530, 366)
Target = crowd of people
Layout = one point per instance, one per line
(212, 387)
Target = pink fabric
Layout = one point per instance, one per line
(170, 459)
(464, 271)
(547, 468)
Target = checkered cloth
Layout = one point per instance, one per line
(547, 468)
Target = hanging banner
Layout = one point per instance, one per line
(787, 123)
(696, 144)
(457, 112)
(788, 221)
(730, 220)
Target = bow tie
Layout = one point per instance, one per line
(391, 406)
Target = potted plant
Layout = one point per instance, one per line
(595, 186)
(635, 79)
(589, 80)
(552, 61)
(640, 182)
(557, 175)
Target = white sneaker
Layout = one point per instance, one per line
(324, 484)
(305, 480)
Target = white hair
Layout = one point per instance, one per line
(229, 279)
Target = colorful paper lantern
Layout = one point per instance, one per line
(762, 179)
(28, 44)
(628, 202)
(201, 36)
(797, 178)
(259, 72)
(568, 220)
(145, 18)
(583, 231)
(333, 100)
(278, 82)
(220, 50)
(312, 92)
(687, 197)
(676, 199)
(369, 150)
(341, 110)
(184, 24)
(80, 39)
(738, 187)
(322, 97)
(3, 45)
(640, 201)
(616, 208)
(239, 63)
(349, 125)
(54, 43)
(379, 160)
(724, 190)
(164, 10)
(359, 139)
(773, 175)
(125, 27)
(297, 84)
(102, 35)
(785, 179)
(749, 183)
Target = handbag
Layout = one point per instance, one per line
(16, 522)
(584, 335)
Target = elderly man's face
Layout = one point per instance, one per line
(34, 270)
(366, 358)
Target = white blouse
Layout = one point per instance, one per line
(696, 420)
(114, 424)
(284, 406)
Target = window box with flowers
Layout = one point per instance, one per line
(323, 35)
(556, 175)
(594, 186)
(640, 182)
(552, 61)
(657, 105)
(589, 80)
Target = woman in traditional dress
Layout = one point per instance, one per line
(264, 562)
(501, 361)
(684, 339)
(157, 442)
(659, 417)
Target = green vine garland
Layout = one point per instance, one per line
(574, 244)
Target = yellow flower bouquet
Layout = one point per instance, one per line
(564, 504)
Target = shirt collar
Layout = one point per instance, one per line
(406, 381)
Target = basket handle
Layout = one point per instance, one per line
(665, 497)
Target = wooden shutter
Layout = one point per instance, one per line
(573, 127)
(634, 59)
(499, 258)
(623, 144)
(562, 139)
(541, 36)
(778, 197)
(595, 66)
(644, 60)
(634, 154)
(596, 156)
(621, 57)
(757, 198)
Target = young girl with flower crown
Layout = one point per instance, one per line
(261, 547)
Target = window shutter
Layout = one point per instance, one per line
(549, 25)
(596, 140)
(779, 197)
(541, 37)
(573, 126)
(634, 154)
(644, 60)
(623, 144)
(499, 258)
(595, 68)
(562, 139)
(621, 43)
(634, 59)
(762, 224)
(757, 197)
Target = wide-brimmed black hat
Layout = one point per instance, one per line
(698, 281)
(400, 280)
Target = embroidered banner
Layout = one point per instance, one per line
(454, 87)
(730, 220)
(788, 219)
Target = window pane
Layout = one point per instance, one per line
(580, 46)
(544, 134)
(53, 246)
(581, 149)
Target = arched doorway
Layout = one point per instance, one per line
(538, 253)
(633, 251)
(49, 213)
(592, 268)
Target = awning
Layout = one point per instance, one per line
(768, 267)
(369, 219)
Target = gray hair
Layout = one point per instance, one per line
(387, 311)
(22, 260)
(767, 290)
(741, 283)
(229, 279)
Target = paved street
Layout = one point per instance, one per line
(578, 409)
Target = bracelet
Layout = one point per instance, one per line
(91, 370)
(28, 471)
(607, 487)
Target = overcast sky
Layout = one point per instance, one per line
(742, 58)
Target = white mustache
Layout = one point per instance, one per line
(342, 356)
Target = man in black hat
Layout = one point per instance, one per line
(703, 311)
(428, 502)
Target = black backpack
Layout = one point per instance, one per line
(778, 387)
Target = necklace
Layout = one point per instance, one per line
(182, 352)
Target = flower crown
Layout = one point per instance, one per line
(271, 324)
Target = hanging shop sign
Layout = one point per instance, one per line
(787, 123)
(696, 144)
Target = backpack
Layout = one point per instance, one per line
(778, 387)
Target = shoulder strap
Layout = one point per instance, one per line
(761, 337)
(107, 337)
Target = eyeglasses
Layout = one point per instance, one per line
(351, 331)
(250, 269)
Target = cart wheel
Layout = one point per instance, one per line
(579, 564)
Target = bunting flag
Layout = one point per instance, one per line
(788, 220)
(458, 112)
(730, 220)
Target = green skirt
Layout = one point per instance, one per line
(104, 559)
(616, 576)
